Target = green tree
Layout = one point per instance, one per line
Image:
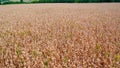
(21, 1)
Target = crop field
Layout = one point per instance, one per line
(60, 35)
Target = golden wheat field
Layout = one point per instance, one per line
(60, 35)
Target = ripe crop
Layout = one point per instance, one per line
(60, 35)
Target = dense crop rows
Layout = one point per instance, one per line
(60, 36)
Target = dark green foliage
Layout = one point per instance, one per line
(57, 1)
(21, 0)
(75, 1)
(14, 3)
(4, 1)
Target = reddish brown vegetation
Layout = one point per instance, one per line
(60, 36)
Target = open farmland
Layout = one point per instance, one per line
(60, 35)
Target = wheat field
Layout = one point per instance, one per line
(60, 35)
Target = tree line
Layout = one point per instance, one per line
(60, 1)
(72, 1)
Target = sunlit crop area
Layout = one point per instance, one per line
(60, 35)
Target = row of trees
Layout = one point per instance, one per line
(63, 1)
(72, 1)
